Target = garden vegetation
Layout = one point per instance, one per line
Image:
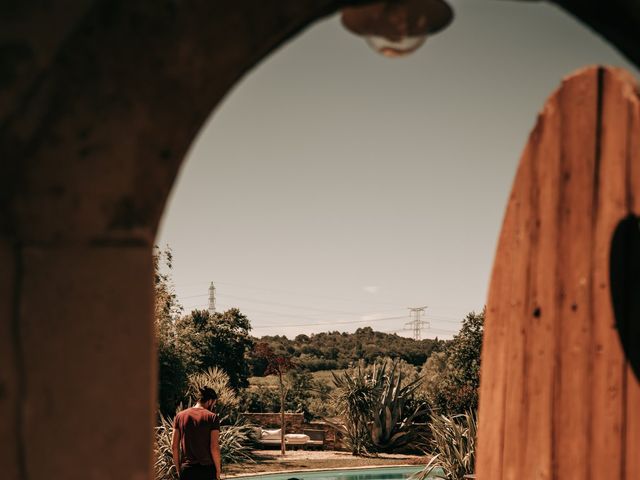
(384, 392)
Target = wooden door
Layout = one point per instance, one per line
(559, 394)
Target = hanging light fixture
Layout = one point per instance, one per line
(396, 28)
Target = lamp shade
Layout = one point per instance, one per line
(397, 27)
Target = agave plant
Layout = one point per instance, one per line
(454, 445)
(373, 404)
(391, 426)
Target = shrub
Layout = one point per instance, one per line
(454, 446)
(260, 399)
(452, 377)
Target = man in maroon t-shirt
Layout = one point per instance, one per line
(196, 431)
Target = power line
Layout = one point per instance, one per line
(304, 307)
(298, 292)
(327, 324)
(278, 304)
(438, 318)
(312, 320)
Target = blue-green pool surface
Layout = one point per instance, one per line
(378, 473)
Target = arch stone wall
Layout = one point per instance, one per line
(99, 101)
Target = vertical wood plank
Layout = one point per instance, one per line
(515, 367)
(494, 352)
(579, 110)
(632, 424)
(492, 386)
(607, 358)
(541, 338)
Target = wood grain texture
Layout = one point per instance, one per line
(558, 399)
(607, 357)
(632, 446)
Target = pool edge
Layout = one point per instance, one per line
(313, 470)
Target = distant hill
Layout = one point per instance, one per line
(339, 350)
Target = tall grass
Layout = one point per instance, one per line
(454, 446)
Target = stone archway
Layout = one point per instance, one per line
(97, 112)
(99, 101)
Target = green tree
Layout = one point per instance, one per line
(277, 365)
(454, 389)
(301, 389)
(172, 364)
(219, 340)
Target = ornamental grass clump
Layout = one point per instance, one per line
(237, 438)
(215, 378)
(454, 447)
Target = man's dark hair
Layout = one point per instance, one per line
(207, 394)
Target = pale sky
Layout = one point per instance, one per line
(334, 188)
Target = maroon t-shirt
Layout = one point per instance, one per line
(195, 426)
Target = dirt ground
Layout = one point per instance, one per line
(270, 461)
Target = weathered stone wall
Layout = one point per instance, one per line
(99, 101)
(294, 421)
(332, 437)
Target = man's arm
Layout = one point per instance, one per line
(215, 452)
(175, 448)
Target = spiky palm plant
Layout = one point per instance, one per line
(217, 379)
(392, 426)
(454, 445)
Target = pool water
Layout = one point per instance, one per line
(379, 473)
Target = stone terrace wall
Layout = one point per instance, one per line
(294, 421)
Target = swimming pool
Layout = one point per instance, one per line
(377, 473)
